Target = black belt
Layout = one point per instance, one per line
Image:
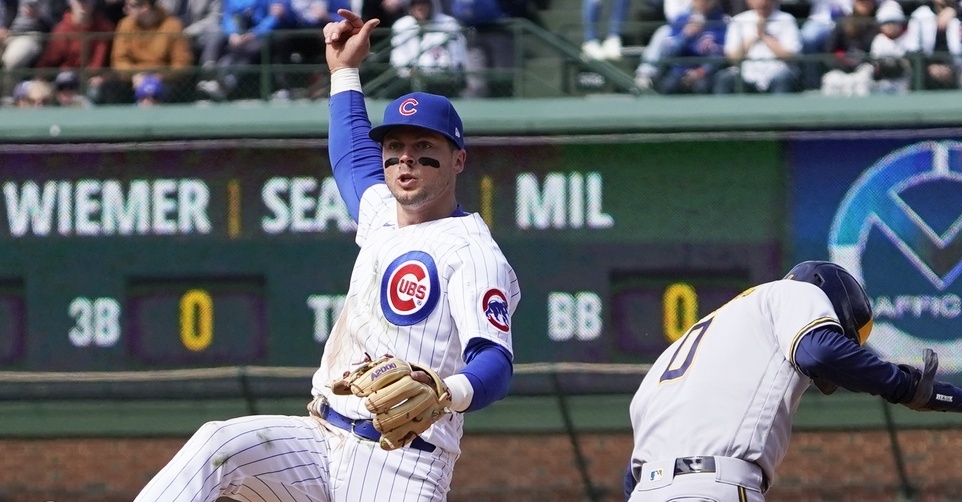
(364, 429)
(699, 464)
(694, 465)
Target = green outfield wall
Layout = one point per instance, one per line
(198, 236)
(550, 116)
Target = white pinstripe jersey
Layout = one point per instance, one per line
(730, 387)
(419, 292)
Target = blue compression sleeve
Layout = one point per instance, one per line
(826, 353)
(488, 369)
(355, 157)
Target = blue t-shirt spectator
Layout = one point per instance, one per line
(709, 42)
(477, 12)
(254, 16)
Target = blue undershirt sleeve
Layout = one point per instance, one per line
(825, 353)
(355, 157)
(489, 370)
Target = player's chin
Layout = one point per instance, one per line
(408, 196)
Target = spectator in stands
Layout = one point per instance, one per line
(149, 91)
(893, 70)
(18, 94)
(300, 42)
(21, 45)
(649, 15)
(593, 47)
(53, 10)
(67, 91)
(201, 20)
(761, 43)
(34, 93)
(648, 68)
(851, 72)
(80, 41)
(149, 41)
(936, 29)
(248, 25)
(307, 18)
(490, 46)
(698, 33)
(428, 51)
(821, 20)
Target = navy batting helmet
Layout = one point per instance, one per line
(852, 305)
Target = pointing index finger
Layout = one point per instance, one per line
(351, 18)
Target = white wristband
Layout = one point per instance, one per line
(461, 391)
(345, 79)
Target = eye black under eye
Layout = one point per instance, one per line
(428, 161)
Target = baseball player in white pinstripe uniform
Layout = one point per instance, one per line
(430, 286)
(713, 417)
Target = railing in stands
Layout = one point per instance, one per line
(306, 76)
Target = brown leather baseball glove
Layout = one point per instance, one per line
(402, 406)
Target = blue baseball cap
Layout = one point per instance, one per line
(420, 109)
(151, 86)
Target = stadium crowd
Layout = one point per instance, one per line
(842, 48)
(147, 51)
(144, 52)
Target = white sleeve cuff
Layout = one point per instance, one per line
(461, 391)
(345, 79)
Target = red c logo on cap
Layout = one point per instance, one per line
(408, 107)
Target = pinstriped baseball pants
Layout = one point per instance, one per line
(295, 459)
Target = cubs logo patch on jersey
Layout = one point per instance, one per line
(494, 304)
(410, 288)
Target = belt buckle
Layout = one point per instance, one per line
(355, 434)
(695, 464)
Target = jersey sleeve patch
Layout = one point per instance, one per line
(494, 306)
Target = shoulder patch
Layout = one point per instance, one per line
(494, 305)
